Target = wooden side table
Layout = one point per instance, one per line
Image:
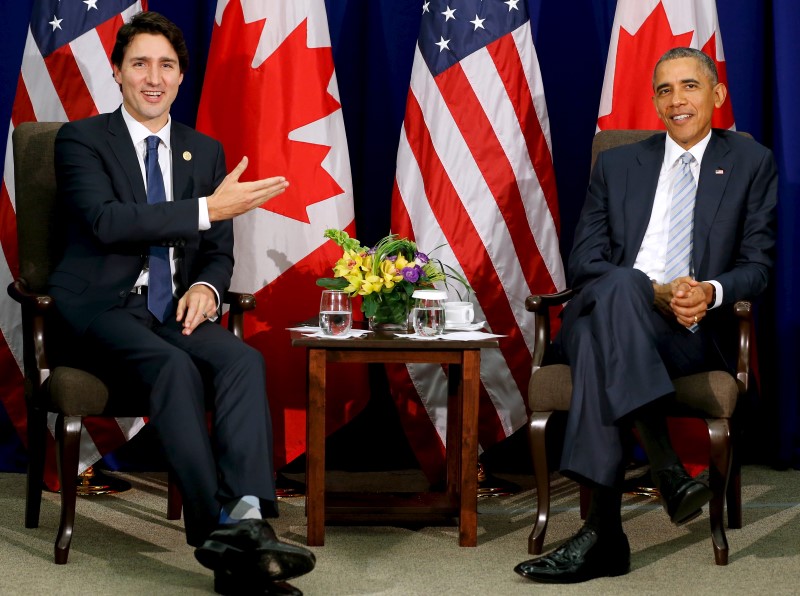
(460, 497)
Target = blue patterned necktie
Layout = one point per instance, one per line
(159, 293)
(681, 222)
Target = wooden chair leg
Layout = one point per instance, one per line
(719, 470)
(37, 427)
(733, 496)
(68, 438)
(174, 498)
(537, 430)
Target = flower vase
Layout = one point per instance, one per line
(390, 319)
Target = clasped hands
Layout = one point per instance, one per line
(684, 298)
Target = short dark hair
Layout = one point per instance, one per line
(706, 63)
(155, 24)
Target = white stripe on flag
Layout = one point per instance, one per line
(530, 63)
(41, 91)
(90, 55)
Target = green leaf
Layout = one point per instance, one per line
(332, 283)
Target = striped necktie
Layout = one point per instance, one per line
(159, 293)
(681, 221)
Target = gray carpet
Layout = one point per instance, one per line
(123, 544)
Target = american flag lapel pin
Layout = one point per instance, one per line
(719, 171)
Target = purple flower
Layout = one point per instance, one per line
(412, 274)
(421, 258)
(391, 258)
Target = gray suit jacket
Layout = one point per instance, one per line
(109, 225)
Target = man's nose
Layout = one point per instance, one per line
(153, 75)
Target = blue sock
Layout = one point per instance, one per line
(246, 507)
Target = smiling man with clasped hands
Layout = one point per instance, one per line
(673, 228)
(149, 253)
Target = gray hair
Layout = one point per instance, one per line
(706, 63)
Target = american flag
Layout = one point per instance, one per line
(475, 173)
(66, 75)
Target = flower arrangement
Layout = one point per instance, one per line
(386, 275)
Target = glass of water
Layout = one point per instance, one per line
(335, 312)
(428, 313)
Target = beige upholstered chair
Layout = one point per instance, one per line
(68, 392)
(711, 396)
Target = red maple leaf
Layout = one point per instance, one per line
(252, 111)
(723, 117)
(632, 107)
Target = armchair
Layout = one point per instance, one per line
(711, 396)
(68, 392)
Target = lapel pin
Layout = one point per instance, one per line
(718, 171)
(188, 157)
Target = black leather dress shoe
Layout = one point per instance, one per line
(250, 548)
(229, 584)
(683, 496)
(585, 556)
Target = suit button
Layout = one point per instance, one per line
(123, 294)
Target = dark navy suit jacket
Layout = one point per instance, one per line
(734, 228)
(109, 225)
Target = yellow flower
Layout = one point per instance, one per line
(371, 283)
(390, 274)
(350, 261)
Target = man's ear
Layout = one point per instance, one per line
(720, 93)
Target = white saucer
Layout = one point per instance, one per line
(464, 326)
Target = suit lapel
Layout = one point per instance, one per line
(119, 140)
(181, 164)
(715, 171)
(643, 174)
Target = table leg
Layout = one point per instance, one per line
(453, 437)
(468, 497)
(315, 449)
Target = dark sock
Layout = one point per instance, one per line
(651, 423)
(604, 515)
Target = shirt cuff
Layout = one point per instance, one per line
(216, 297)
(203, 223)
(718, 294)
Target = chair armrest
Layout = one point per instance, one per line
(239, 303)
(540, 305)
(744, 315)
(34, 308)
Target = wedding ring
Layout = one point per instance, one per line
(205, 316)
(695, 318)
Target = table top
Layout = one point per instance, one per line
(389, 341)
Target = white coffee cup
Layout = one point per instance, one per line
(458, 313)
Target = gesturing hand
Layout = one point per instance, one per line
(233, 198)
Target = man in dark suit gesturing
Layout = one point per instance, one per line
(672, 228)
(149, 253)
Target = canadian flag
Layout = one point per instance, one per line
(270, 93)
(643, 30)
